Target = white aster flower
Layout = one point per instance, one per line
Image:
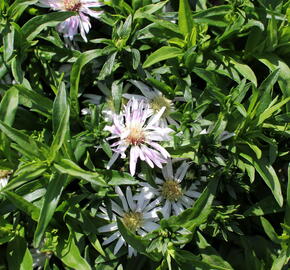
(169, 192)
(69, 28)
(4, 177)
(133, 129)
(156, 101)
(138, 216)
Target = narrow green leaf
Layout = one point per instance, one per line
(287, 212)
(23, 205)
(185, 21)
(51, 198)
(60, 135)
(108, 66)
(268, 174)
(70, 255)
(210, 255)
(8, 106)
(161, 54)
(75, 74)
(269, 230)
(70, 168)
(245, 70)
(35, 25)
(24, 142)
(18, 255)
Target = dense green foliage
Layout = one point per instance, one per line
(226, 66)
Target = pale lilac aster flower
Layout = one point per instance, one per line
(169, 194)
(138, 216)
(80, 22)
(156, 100)
(134, 128)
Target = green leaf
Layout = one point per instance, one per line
(35, 25)
(287, 212)
(17, 8)
(51, 198)
(8, 106)
(18, 255)
(8, 41)
(40, 103)
(210, 255)
(23, 205)
(161, 54)
(108, 66)
(269, 111)
(60, 135)
(25, 173)
(189, 261)
(268, 174)
(185, 21)
(69, 167)
(24, 142)
(70, 255)
(75, 74)
(273, 62)
(245, 70)
(266, 206)
(269, 230)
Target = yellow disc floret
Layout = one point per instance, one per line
(133, 220)
(171, 190)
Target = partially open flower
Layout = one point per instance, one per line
(134, 128)
(139, 217)
(156, 101)
(80, 22)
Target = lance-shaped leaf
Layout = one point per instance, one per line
(161, 54)
(51, 198)
(35, 25)
(70, 168)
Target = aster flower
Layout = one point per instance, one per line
(69, 28)
(169, 192)
(133, 129)
(138, 216)
(156, 101)
(4, 177)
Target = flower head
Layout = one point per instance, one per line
(69, 28)
(169, 193)
(156, 101)
(138, 216)
(133, 129)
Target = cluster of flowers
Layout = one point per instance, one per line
(139, 129)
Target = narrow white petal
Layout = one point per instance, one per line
(109, 227)
(112, 160)
(156, 117)
(122, 198)
(117, 209)
(134, 154)
(150, 226)
(119, 244)
(181, 171)
(112, 238)
(166, 209)
(167, 170)
(130, 201)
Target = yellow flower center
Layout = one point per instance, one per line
(133, 220)
(136, 135)
(72, 5)
(4, 173)
(160, 101)
(171, 190)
